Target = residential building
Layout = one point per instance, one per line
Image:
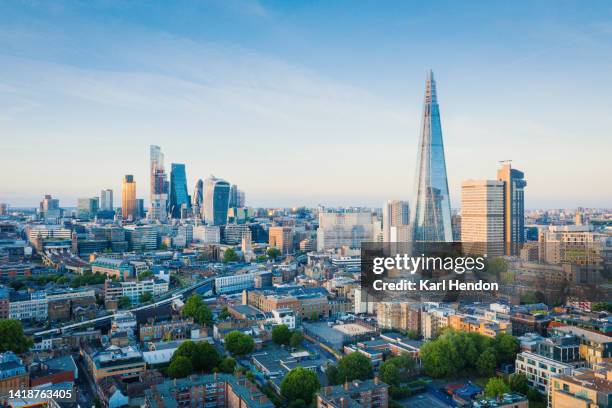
(13, 374)
(585, 388)
(595, 348)
(482, 217)
(396, 214)
(134, 290)
(514, 207)
(540, 370)
(214, 390)
(367, 393)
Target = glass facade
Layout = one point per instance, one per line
(431, 218)
(178, 190)
(216, 201)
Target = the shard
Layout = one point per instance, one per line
(431, 218)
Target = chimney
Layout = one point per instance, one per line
(376, 380)
(346, 386)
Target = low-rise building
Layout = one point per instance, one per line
(125, 362)
(13, 374)
(586, 388)
(368, 393)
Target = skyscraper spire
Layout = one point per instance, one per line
(431, 218)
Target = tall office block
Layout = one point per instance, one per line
(482, 216)
(106, 200)
(216, 200)
(159, 185)
(179, 198)
(431, 217)
(281, 238)
(128, 198)
(514, 203)
(197, 199)
(396, 213)
(49, 209)
(87, 207)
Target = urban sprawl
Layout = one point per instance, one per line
(198, 300)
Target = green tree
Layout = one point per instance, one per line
(146, 274)
(506, 346)
(224, 313)
(281, 334)
(239, 343)
(146, 297)
(230, 255)
(12, 337)
(354, 366)
(124, 302)
(298, 403)
(300, 383)
(602, 307)
(273, 253)
(198, 311)
(486, 363)
(331, 372)
(496, 387)
(206, 357)
(518, 383)
(397, 370)
(496, 265)
(296, 339)
(180, 367)
(227, 365)
(185, 349)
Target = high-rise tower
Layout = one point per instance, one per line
(514, 206)
(178, 190)
(197, 199)
(216, 200)
(128, 198)
(431, 219)
(159, 184)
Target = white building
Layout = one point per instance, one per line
(284, 316)
(338, 229)
(482, 216)
(208, 234)
(35, 307)
(539, 370)
(135, 289)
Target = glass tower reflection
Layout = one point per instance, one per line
(431, 218)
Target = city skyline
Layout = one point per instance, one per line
(101, 98)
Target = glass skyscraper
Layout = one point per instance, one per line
(178, 189)
(216, 201)
(431, 218)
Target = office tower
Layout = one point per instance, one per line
(3, 208)
(396, 213)
(159, 185)
(106, 200)
(281, 238)
(49, 209)
(431, 216)
(178, 190)
(140, 208)
(350, 229)
(233, 198)
(87, 207)
(128, 198)
(216, 200)
(241, 198)
(197, 199)
(514, 203)
(482, 217)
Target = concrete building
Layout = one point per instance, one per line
(134, 290)
(339, 229)
(482, 217)
(396, 214)
(208, 234)
(124, 362)
(586, 388)
(514, 207)
(368, 393)
(106, 200)
(281, 238)
(540, 370)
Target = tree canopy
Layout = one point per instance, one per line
(198, 311)
(281, 334)
(397, 370)
(227, 365)
(496, 387)
(180, 367)
(354, 366)
(239, 343)
(300, 384)
(230, 255)
(12, 337)
(296, 339)
(273, 253)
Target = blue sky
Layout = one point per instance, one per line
(301, 103)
